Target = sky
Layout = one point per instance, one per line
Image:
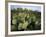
(34, 8)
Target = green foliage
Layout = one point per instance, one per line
(24, 19)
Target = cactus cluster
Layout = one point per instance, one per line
(24, 20)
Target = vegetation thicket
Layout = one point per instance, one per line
(25, 19)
